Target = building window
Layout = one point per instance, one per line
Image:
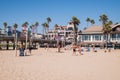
(86, 37)
(118, 36)
(113, 36)
(96, 37)
(70, 28)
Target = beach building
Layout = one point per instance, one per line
(62, 32)
(94, 36)
(56, 33)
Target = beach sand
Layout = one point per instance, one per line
(51, 65)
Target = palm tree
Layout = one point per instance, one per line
(36, 25)
(15, 39)
(103, 19)
(75, 22)
(48, 21)
(106, 31)
(92, 22)
(5, 26)
(55, 26)
(87, 20)
(43, 28)
(26, 23)
(25, 32)
(15, 26)
(31, 33)
(110, 22)
(31, 27)
(45, 25)
(106, 27)
(24, 26)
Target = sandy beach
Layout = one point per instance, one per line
(51, 65)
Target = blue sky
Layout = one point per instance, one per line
(60, 11)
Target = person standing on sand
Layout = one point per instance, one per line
(74, 49)
(79, 49)
(59, 46)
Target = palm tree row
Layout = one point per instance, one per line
(5, 26)
(25, 24)
(103, 19)
(33, 27)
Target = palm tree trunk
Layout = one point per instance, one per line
(14, 43)
(75, 34)
(106, 35)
